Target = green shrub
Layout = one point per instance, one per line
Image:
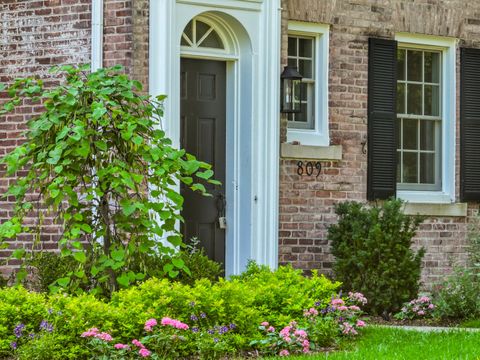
(458, 297)
(51, 266)
(260, 295)
(372, 247)
(18, 306)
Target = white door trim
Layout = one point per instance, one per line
(254, 81)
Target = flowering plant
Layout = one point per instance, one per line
(346, 312)
(420, 308)
(165, 339)
(24, 333)
(289, 340)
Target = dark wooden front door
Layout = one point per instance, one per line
(203, 132)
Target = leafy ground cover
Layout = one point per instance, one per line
(397, 344)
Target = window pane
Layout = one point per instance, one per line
(427, 168)
(410, 164)
(292, 62)
(184, 42)
(399, 166)
(305, 68)
(401, 64)
(414, 99)
(432, 67)
(427, 135)
(292, 46)
(400, 98)
(202, 29)
(399, 133)
(305, 47)
(432, 100)
(188, 30)
(410, 135)
(212, 41)
(414, 65)
(304, 95)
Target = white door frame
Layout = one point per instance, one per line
(253, 72)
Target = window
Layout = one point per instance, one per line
(426, 72)
(301, 52)
(308, 52)
(419, 119)
(199, 34)
(411, 118)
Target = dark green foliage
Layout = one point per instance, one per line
(372, 246)
(99, 160)
(50, 266)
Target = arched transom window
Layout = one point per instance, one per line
(198, 34)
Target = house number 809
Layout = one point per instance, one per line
(308, 168)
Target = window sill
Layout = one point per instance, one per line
(308, 152)
(454, 209)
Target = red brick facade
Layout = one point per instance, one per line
(37, 34)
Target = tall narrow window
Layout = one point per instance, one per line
(419, 119)
(301, 54)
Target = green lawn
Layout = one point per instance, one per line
(393, 344)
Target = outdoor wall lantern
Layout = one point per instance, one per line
(291, 90)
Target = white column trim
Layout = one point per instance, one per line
(261, 20)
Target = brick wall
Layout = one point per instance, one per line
(34, 35)
(306, 204)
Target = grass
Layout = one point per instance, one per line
(473, 323)
(396, 344)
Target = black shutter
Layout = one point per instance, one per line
(382, 117)
(470, 125)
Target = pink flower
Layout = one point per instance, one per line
(174, 323)
(265, 324)
(284, 353)
(431, 306)
(120, 346)
(300, 333)
(144, 352)
(104, 336)
(425, 299)
(138, 344)
(149, 324)
(348, 329)
(287, 339)
(336, 302)
(360, 323)
(313, 311)
(285, 331)
(342, 308)
(354, 308)
(90, 332)
(421, 312)
(271, 329)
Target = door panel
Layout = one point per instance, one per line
(203, 132)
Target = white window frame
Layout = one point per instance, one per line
(318, 136)
(448, 47)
